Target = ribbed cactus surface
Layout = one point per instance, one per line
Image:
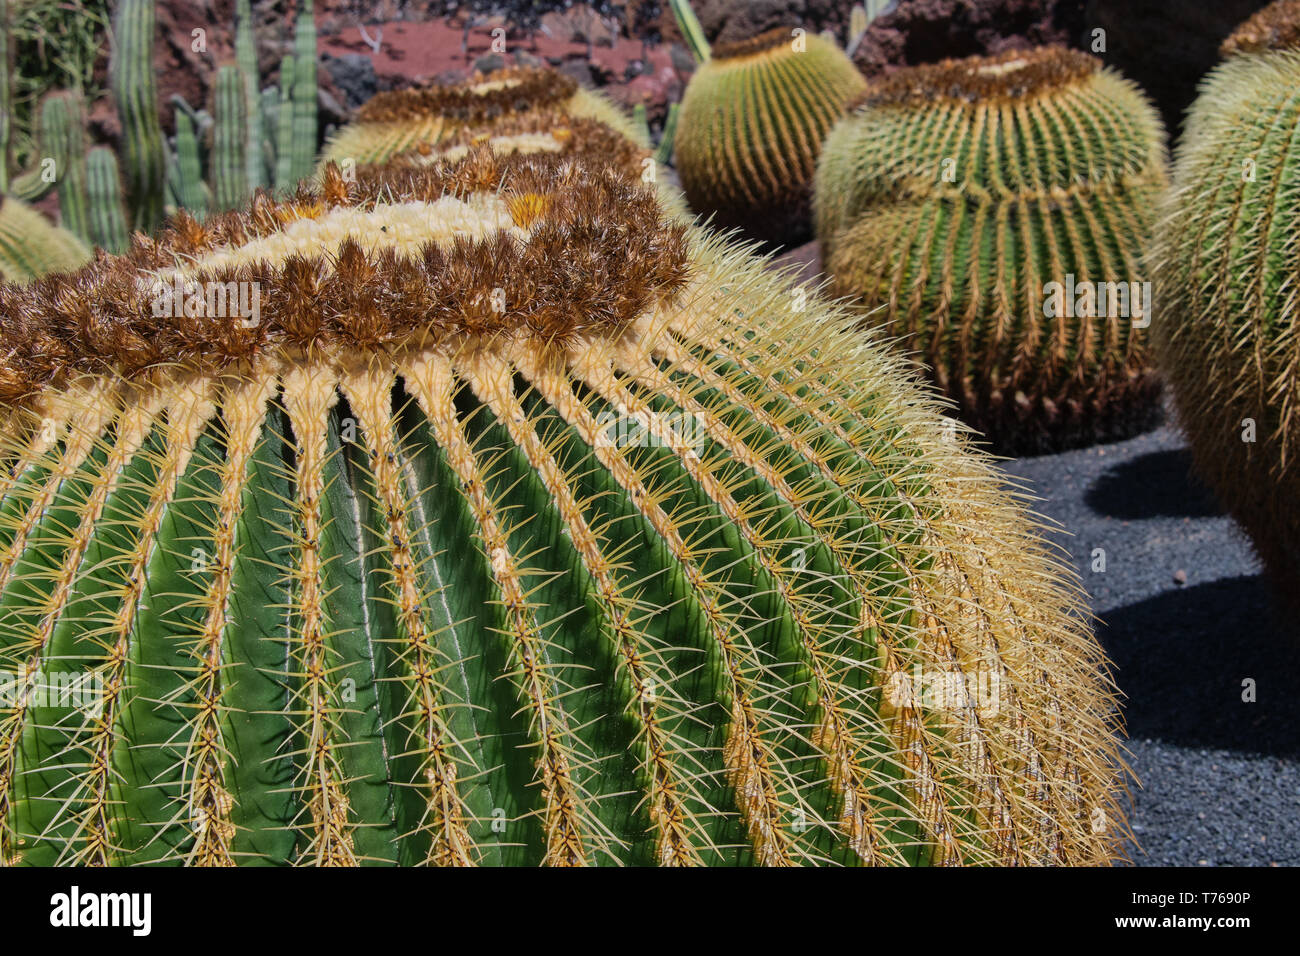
(752, 124)
(1227, 254)
(521, 524)
(135, 93)
(975, 207)
(398, 122)
(31, 246)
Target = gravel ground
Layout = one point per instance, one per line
(1187, 617)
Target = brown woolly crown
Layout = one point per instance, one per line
(576, 250)
(765, 42)
(1276, 27)
(1013, 74)
(582, 140)
(481, 99)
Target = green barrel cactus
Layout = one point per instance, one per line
(752, 123)
(397, 122)
(31, 246)
(516, 522)
(991, 213)
(1227, 254)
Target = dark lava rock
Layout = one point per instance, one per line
(353, 75)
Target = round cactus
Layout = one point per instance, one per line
(520, 523)
(1227, 253)
(31, 246)
(980, 205)
(752, 122)
(396, 122)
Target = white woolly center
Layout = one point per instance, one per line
(403, 226)
(491, 86)
(1001, 69)
(503, 145)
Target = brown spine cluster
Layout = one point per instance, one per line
(765, 42)
(1012, 75)
(1276, 27)
(530, 89)
(585, 141)
(600, 253)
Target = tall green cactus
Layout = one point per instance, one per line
(992, 213)
(305, 131)
(644, 564)
(1227, 326)
(131, 78)
(752, 123)
(284, 179)
(6, 97)
(104, 193)
(191, 191)
(62, 138)
(229, 137)
(246, 56)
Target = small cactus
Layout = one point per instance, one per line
(523, 524)
(1227, 254)
(752, 123)
(396, 122)
(979, 204)
(31, 246)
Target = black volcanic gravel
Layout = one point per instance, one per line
(1219, 777)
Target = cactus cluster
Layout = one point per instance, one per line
(1226, 256)
(524, 524)
(753, 119)
(992, 213)
(396, 122)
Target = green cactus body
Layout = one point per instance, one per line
(6, 97)
(752, 123)
(104, 190)
(523, 525)
(229, 136)
(63, 140)
(394, 123)
(191, 191)
(246, 55)
(303, 154)
(131, 78)
(31, 246)
(1227, 326)
(284, 180)
(971, 207)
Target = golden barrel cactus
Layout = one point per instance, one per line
(752, 123)
(396, 122)
(32, 246)
(992, 214)
(1227, 257)
(516, 522)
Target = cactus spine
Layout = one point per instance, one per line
(1227, 330)
(752, 123)
(640, 565)
(969, 199)
(229, 136)
(104, 193)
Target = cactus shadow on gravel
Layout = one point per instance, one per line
(1181, 658)
(1159, 484)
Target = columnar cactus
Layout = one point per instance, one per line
(31, 246)
(518, 523)
(104, 192)
(63, 139)
(1227, 253)
(131, 78)
(396, 122)
(230, 185)
(991, 213)
(752, 123)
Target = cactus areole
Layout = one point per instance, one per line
(518, 524)
(992, 212)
